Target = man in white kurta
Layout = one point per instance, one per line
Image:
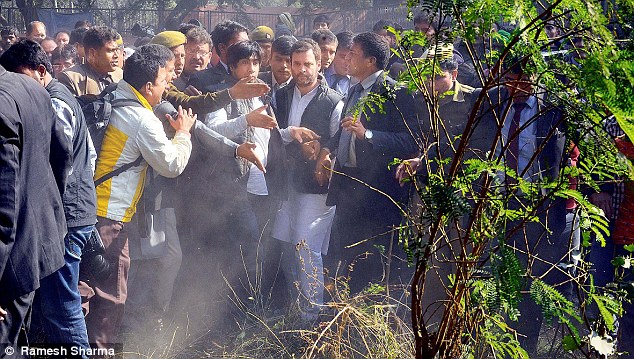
(304, 219)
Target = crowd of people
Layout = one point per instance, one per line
(219, 153)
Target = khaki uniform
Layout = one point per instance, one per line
(83, 80)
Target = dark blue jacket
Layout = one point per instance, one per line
(79, 198)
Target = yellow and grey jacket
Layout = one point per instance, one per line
(135, 131)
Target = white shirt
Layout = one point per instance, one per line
(298, 106)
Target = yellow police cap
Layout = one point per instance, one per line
(262, 33)
(169, 39)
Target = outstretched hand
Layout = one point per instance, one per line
(259, 118)
(247, 151)
(301, 134)
(246, 88)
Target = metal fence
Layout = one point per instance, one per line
(124, 19)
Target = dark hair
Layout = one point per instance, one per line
(184, 28)
(195, 22)
(381, 25)
(243, 50)
(304, 45)
(344, 40)
(140, 41)
(97, 37)
(198, 35)
(283, 44)
(77, 36)
(62, 31)
(225, 31)
(374, 45)
(423, 17)
(25, 53)
(324, 36)
(448, 65)
(322, 18)
(64, 52)
(144, 64)
(82, 24)
(9, 30)
(31, 26)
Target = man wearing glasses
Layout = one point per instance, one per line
(197, 56)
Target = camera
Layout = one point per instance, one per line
(165, 108)
(94, 265)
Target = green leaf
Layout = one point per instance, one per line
(570, 343)
(618, 261)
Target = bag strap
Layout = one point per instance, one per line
(120, 103)
(118, 171)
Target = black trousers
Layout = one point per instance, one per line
(14, 328)
(362, 234)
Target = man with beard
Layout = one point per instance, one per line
(304, 220)
(101, 67)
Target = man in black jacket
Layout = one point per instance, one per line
(216, 78)
(58, 301)
(366, 143)
(34, 162)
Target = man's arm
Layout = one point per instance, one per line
(204, 103)
(167, 158)
(402, 117)
(233, 127)
(9, 177)
(61, 156)
(66, 80)
(213, 101)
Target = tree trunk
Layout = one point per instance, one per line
(27, 9)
